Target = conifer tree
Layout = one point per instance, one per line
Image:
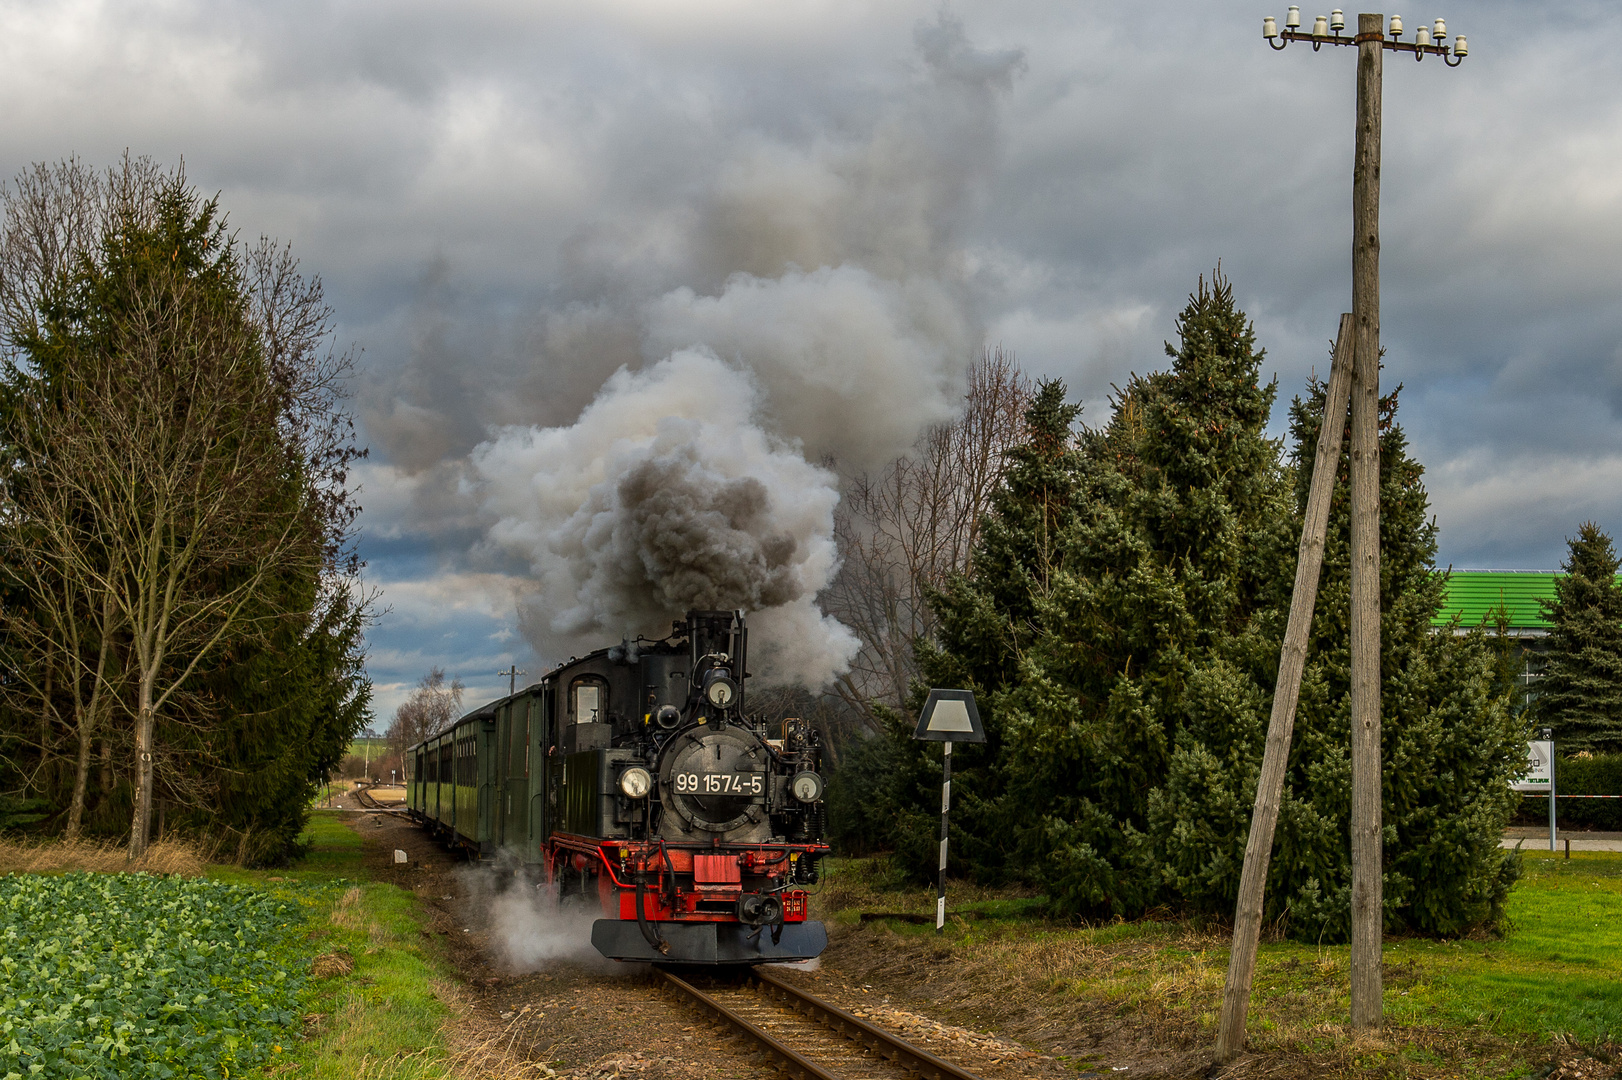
(1580, 694)
(1450, 740)
(1122, 626)
(179, 519)
(1120, 619)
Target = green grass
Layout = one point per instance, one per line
(1473, 1007)
(386, 1018)
(1558, 970)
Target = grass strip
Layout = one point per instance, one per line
(1495, 1006)
(380, 998)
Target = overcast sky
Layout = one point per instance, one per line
(510, 201)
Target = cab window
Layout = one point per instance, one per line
(588, 701)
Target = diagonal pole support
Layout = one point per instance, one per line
(1247, 919)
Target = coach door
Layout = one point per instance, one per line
(516, 774)
(543, 738)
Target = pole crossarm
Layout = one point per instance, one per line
(1428, 41)
(1317, 41)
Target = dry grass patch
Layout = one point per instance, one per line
(506, 1053)
(347, 912)
(1144, 996)
(101, 857)
(332, 964)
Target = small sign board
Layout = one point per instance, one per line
(1539, 769)
(950, 716)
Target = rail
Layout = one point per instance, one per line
(914, 1059)
(367, 803)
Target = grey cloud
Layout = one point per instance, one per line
(509, 202)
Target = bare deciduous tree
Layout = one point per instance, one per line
(164, 465)
(61, 639)
(909, 527)
(173, 446)
(430, 709)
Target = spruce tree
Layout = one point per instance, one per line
(1120, 618)
(1580, 694)
(1122, 628)
(261, 710)
(1450, 739)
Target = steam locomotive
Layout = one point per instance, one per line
(633, 778)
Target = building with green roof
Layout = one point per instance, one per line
(1481, 597)
(1484, 597)
(1478, 596)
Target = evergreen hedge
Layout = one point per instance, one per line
(1595, 774)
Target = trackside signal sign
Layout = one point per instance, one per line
(950, 716)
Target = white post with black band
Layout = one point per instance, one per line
(948, 716)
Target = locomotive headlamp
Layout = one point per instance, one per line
(719, 690)
(807, 787)
(635, 781)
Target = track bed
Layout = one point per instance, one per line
(806, 1037)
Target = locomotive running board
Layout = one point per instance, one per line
(708, 942)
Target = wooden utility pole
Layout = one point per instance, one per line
(1367, 850)
(512, 674)
(1355, 370)
(1247, 921)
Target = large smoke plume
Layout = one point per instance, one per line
(668, 494)
(818, 318)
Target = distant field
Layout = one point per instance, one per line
(1488, 1007)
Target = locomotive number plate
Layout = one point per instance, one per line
(691, 783)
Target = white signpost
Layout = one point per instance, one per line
(1538, 779)
(948, 716)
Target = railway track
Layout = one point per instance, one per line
(364, 797)
(811, 1039)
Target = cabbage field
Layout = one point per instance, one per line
(131, 975)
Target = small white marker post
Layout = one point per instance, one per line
(948, 715)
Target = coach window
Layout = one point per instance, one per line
(588, 700)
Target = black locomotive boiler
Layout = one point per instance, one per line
(633, 778)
